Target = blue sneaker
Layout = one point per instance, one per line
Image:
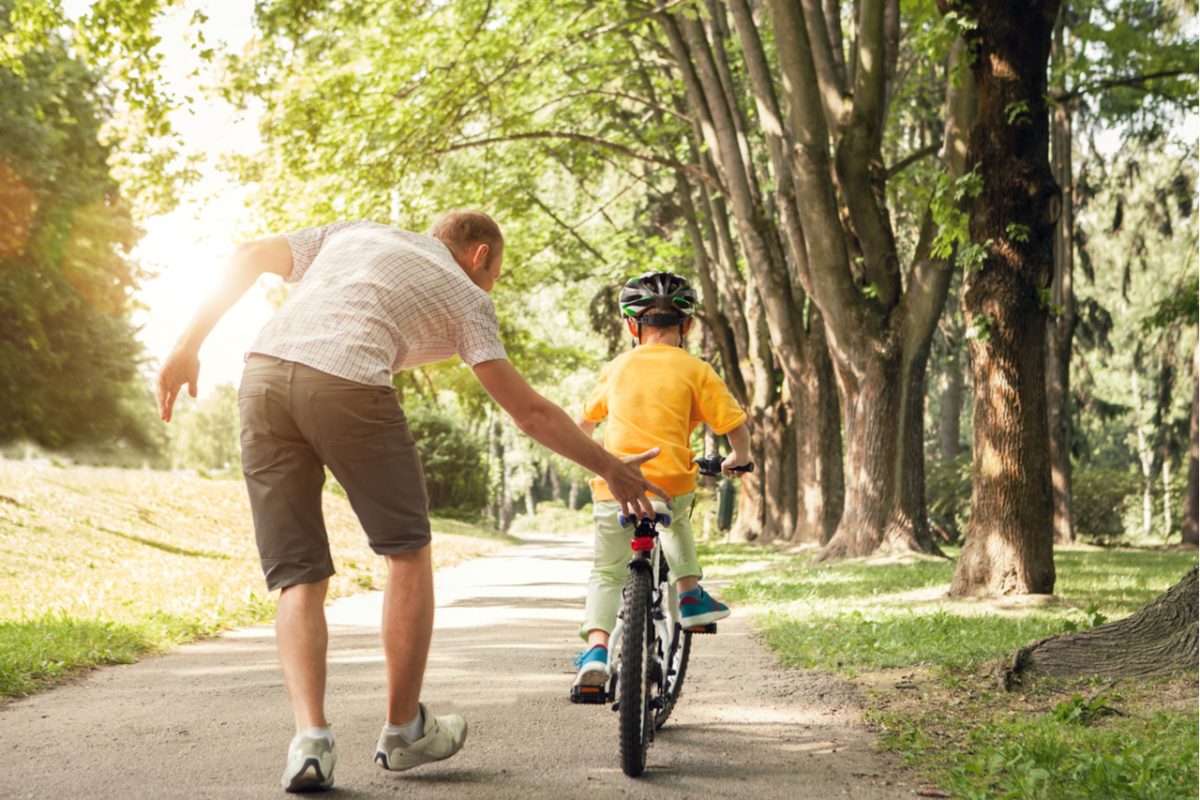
(698, 608)
(593, 667)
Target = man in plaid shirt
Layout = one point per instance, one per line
(369, 300)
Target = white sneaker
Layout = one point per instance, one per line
(441, 738)
(309, 765)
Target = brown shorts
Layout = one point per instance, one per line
(296, 421)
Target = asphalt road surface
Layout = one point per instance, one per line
(211, 719)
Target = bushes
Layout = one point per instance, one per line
(455, 473)
(1101, 498)
(948, 494)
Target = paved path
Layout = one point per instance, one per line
(211, 719)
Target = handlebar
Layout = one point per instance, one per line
(711, 465)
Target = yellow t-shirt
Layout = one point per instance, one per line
(654, 396)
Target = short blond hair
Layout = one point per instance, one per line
(462, 228)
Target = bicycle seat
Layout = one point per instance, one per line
(662, 515)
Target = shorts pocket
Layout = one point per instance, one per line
(258, 443)
(369, 417)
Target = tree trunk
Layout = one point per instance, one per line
(819, 476)
(573, 495)
(950, 414)
(1158, 640)
(1009, 545)
(1191, 533)
(501, 502)
(884, 502)
(1061, 329)
(1145, 454)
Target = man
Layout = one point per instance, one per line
(369, 300)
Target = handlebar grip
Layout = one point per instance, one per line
(711, 466)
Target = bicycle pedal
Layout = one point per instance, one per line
(589, 695)
(709, 628)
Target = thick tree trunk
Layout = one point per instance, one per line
(573, 495)
(1158, 640)
(884, 502)
(1009, 545)
(1061, 329)
(1191, 533)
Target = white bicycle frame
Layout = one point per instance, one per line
(667, 625)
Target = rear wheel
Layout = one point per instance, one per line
(675, 663)
(634, 684)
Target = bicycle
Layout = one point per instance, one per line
(651, 643)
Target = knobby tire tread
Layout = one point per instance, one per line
(632, 685)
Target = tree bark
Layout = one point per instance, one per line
(950, 414)
(1009, 545)
(1061, 329)
(1158, 640)
(1191, 532)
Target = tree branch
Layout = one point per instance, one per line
(584, 138)
(1110, 83)
(912, 158)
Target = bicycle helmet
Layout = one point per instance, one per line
(658, 290)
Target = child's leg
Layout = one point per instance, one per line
(697, 608)
(611, 555)
(679, 545)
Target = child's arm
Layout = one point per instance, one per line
(739, 453)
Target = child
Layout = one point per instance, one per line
(654, 396)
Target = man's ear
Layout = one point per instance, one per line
(687, 325)
(631, 325)
(479, 259)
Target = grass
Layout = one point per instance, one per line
(924, 663)
(103, 565)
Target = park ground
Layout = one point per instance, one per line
(872, 682)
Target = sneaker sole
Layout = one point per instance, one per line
(309, 779)
(700, 620)
(596, 676)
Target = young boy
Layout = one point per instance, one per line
(654, 396)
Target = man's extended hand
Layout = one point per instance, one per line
(180, 367)
(629, 486)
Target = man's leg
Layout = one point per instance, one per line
(407, 629)
(302, 640)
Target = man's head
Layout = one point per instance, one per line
(657, 305)
(475, 241)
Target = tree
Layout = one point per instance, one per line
(879, 318)
(1127, 67)
(67, 350)
(1008, 547)
(1158, 640)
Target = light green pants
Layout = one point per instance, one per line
(609, 565)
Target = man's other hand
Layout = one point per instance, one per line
(180, 367)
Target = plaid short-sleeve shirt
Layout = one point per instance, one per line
(371, 300)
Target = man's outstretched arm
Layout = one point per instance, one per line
(548, 424)
(250, 260)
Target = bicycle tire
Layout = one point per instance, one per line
(673, 683)
(633, 685)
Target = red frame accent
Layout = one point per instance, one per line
(641, 544)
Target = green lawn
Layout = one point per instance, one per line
(102, 565)
(924, 663)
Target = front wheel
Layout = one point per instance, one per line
(633, 683)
